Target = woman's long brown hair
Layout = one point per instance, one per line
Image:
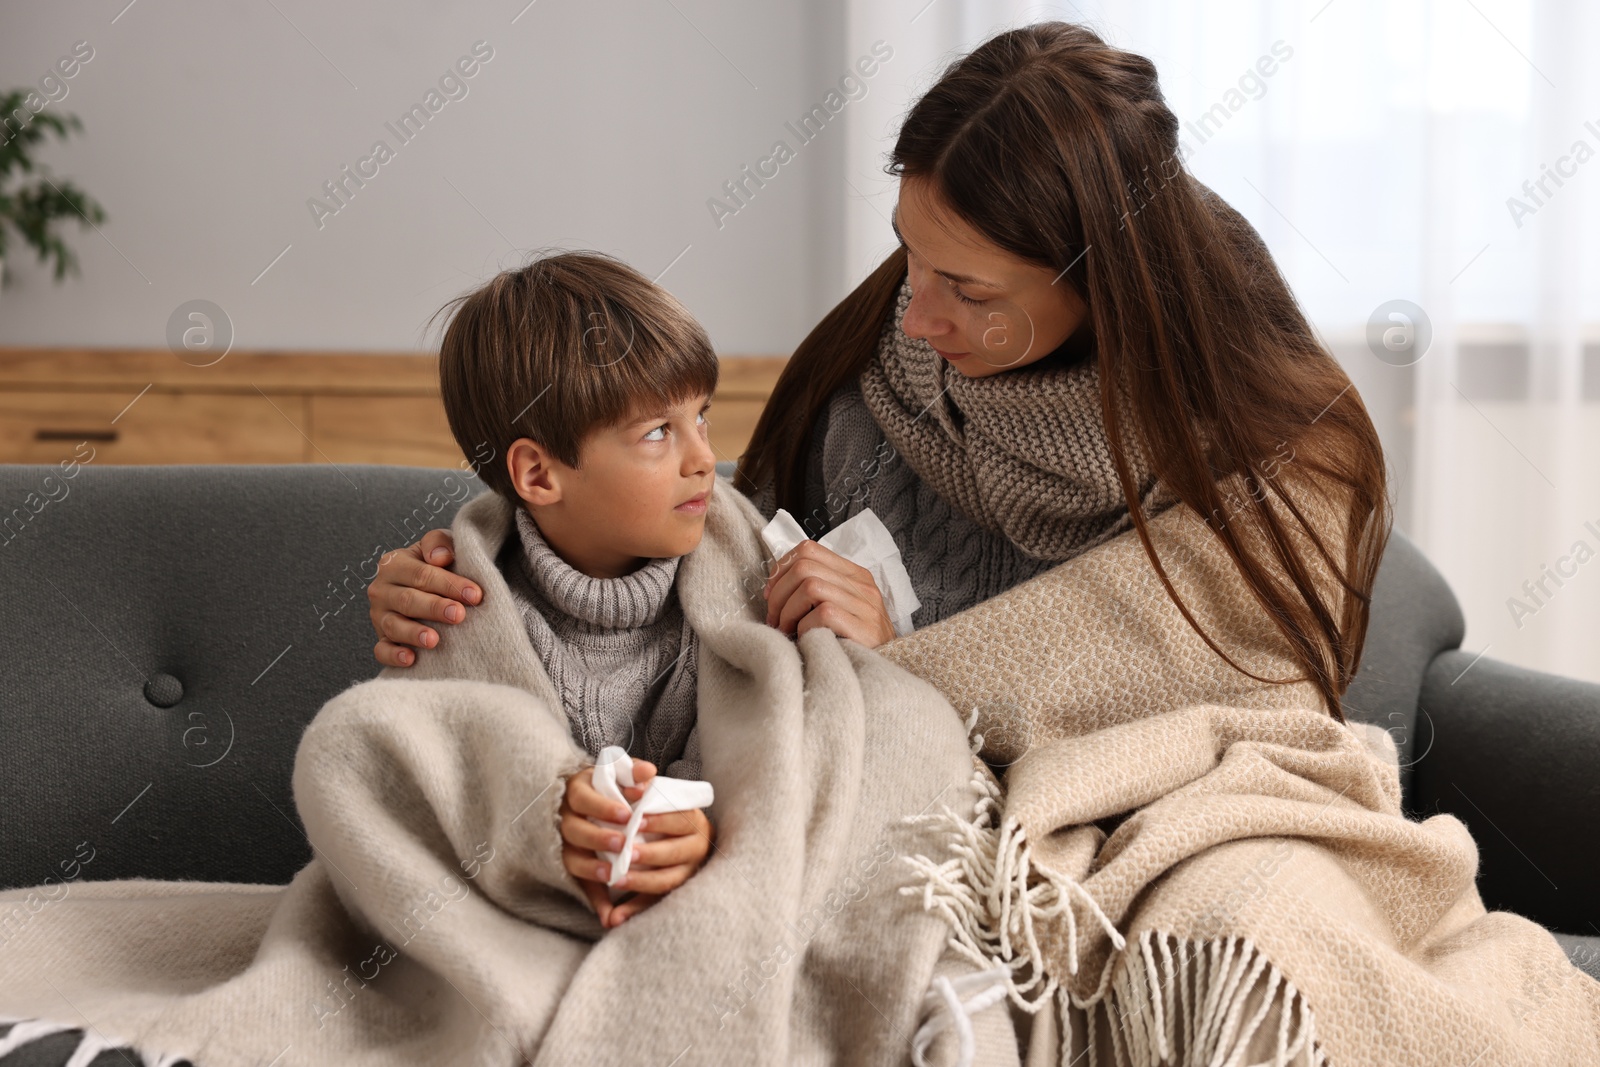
(1061, 150)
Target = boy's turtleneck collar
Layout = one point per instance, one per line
(633, 600)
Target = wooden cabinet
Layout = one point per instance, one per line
(44, 427)
(148, 406)
(410, 431)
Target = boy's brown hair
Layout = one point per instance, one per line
(568, 344)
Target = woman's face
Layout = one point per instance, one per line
(980, 307)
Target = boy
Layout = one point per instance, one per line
(593, 384)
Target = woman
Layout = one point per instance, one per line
(1074, 335)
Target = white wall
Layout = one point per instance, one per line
(207, 127)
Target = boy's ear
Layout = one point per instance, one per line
(534, 476)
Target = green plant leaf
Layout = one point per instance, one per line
(34, 208)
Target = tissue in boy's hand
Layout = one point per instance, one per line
(864, 540)
(663, 795)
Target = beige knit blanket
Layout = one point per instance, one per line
(1263, 899)
(436, 925)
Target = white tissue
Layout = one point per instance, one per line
(864, 540)
(662, 796)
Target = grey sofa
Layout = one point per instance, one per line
(169, 631)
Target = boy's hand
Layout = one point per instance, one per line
(688, 841)
(670, 861)
(582, 838)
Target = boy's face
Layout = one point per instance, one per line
(633, 496)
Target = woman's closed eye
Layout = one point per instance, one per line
(964, 298)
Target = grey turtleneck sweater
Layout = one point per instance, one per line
(618, 650)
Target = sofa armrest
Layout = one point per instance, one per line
(1514, 753)
(1414, 617)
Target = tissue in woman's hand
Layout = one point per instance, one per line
(662, 796)
(864, 540)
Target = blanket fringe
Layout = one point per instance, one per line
(91, 1048)
(1164, 1001)
(994, 898)
(1174, 1001)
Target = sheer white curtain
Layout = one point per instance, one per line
(1445, 153)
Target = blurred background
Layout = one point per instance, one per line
(254, 275)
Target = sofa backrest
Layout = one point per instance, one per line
(173, 629)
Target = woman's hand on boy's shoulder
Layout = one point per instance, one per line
(412, 587)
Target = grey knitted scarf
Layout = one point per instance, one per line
(1023, 453)
(618, 650)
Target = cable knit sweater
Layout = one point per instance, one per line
(618, 650)
(953, 562)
